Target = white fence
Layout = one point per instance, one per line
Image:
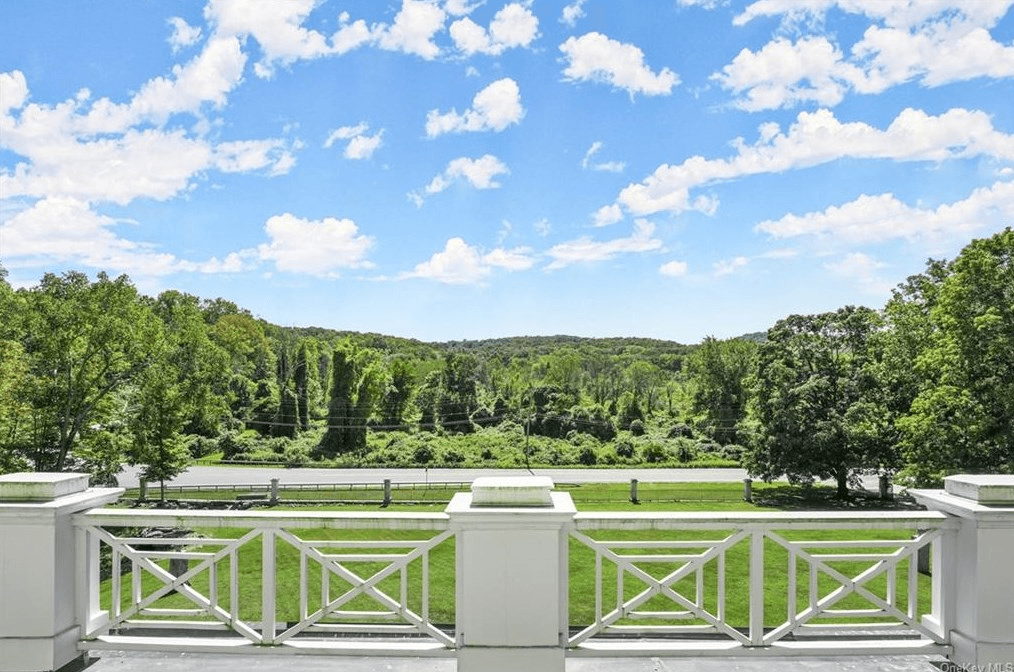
(520, 581)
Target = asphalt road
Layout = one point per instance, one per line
(234, 475)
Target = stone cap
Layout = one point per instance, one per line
(512, 491)
(984, 489)
(40, 487)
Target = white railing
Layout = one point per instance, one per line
(674, 591)
(223, 584)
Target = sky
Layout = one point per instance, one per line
(460, 169)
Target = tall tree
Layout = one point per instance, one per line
(720, 371)
(86, 341)
(816, 374)
(399, 392)
(458, 392)
(357, 385)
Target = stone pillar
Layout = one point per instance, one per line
(748, 490)
(633, 491)
(274, 491)
(511, 582)
(39, 627)
(981, 586)
(387, 492)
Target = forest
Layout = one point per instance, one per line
(95, 375)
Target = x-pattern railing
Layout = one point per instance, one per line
(685, 562)
(205, 573)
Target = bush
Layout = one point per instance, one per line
(233, 445)
(453, 457)
(202, 446)
(680, 430)
(625, 449)
(655, 454)
(587, 456)
(637, 427)
(422, 454)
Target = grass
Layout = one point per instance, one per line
(588, 497)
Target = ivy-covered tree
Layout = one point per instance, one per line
(357, 385)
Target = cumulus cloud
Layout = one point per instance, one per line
(586, 250)
(462, 264)
(493, 109)
(413, 29)
(594, 57)
(817, 138)
(183, 35)
(360, 145)
(673, 269)
(933, 43)
(513, 26)
(861, 269)
(479, 173)
(877, 219)
(314, 247)
(572, 12)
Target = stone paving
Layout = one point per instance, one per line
(112, 661)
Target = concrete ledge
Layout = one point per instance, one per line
(995, 490)
(512, 491)
(36, 487)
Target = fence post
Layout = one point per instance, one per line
(633, 491)
(40, 587)
(512, 572)
(274, 491)
(387, 492)
(980, 589)
(748, 489)
(142, 490)
(886, 491)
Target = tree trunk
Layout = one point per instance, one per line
(843, 485)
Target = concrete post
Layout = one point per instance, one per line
(633, 491)
(274, 491)
(886, 491)
(981, 593)
(747, 489)
(142, 490)
(511, 581)
(39, 591)
(387, 492)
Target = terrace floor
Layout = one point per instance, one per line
(112, 661)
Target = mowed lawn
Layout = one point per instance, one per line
(582, 578)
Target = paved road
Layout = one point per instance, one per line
(263, 475)
(249, 475)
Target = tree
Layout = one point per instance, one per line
(399, 392)
(85, 341)
(962, 415)
(458, 396)
(720, 371)
(357, 384)
(816, 375)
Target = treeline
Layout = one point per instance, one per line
(94, 375)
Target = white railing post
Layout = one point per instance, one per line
(39, 583)
(975, 575)
(512, 573)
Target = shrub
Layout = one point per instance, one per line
(233, 445)
(680, 430)
(587, 456)
(637, 427)
(202, 446)
(625, 449)
(453, 457)
(655, 454)
(422, 454)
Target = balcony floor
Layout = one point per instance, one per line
(115, 661)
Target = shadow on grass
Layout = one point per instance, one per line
(822, 498)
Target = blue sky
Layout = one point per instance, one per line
(458, 170)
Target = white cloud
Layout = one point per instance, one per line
(817, 138)
(65, 230)
(183, 34)
(513, 26)
(783, 74)
(597, 58)
(605, 166)
(572, 12)
(360, 144)
(493, 109)
(314, 247)
(248, 155)
(462, 264)
(608, 214)
(673, 269)
(413, 29)
(933, 42)
(586, 250)
(861, 268)
(730, 266)
(876, 219)
(480, 173)
(543, 227)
